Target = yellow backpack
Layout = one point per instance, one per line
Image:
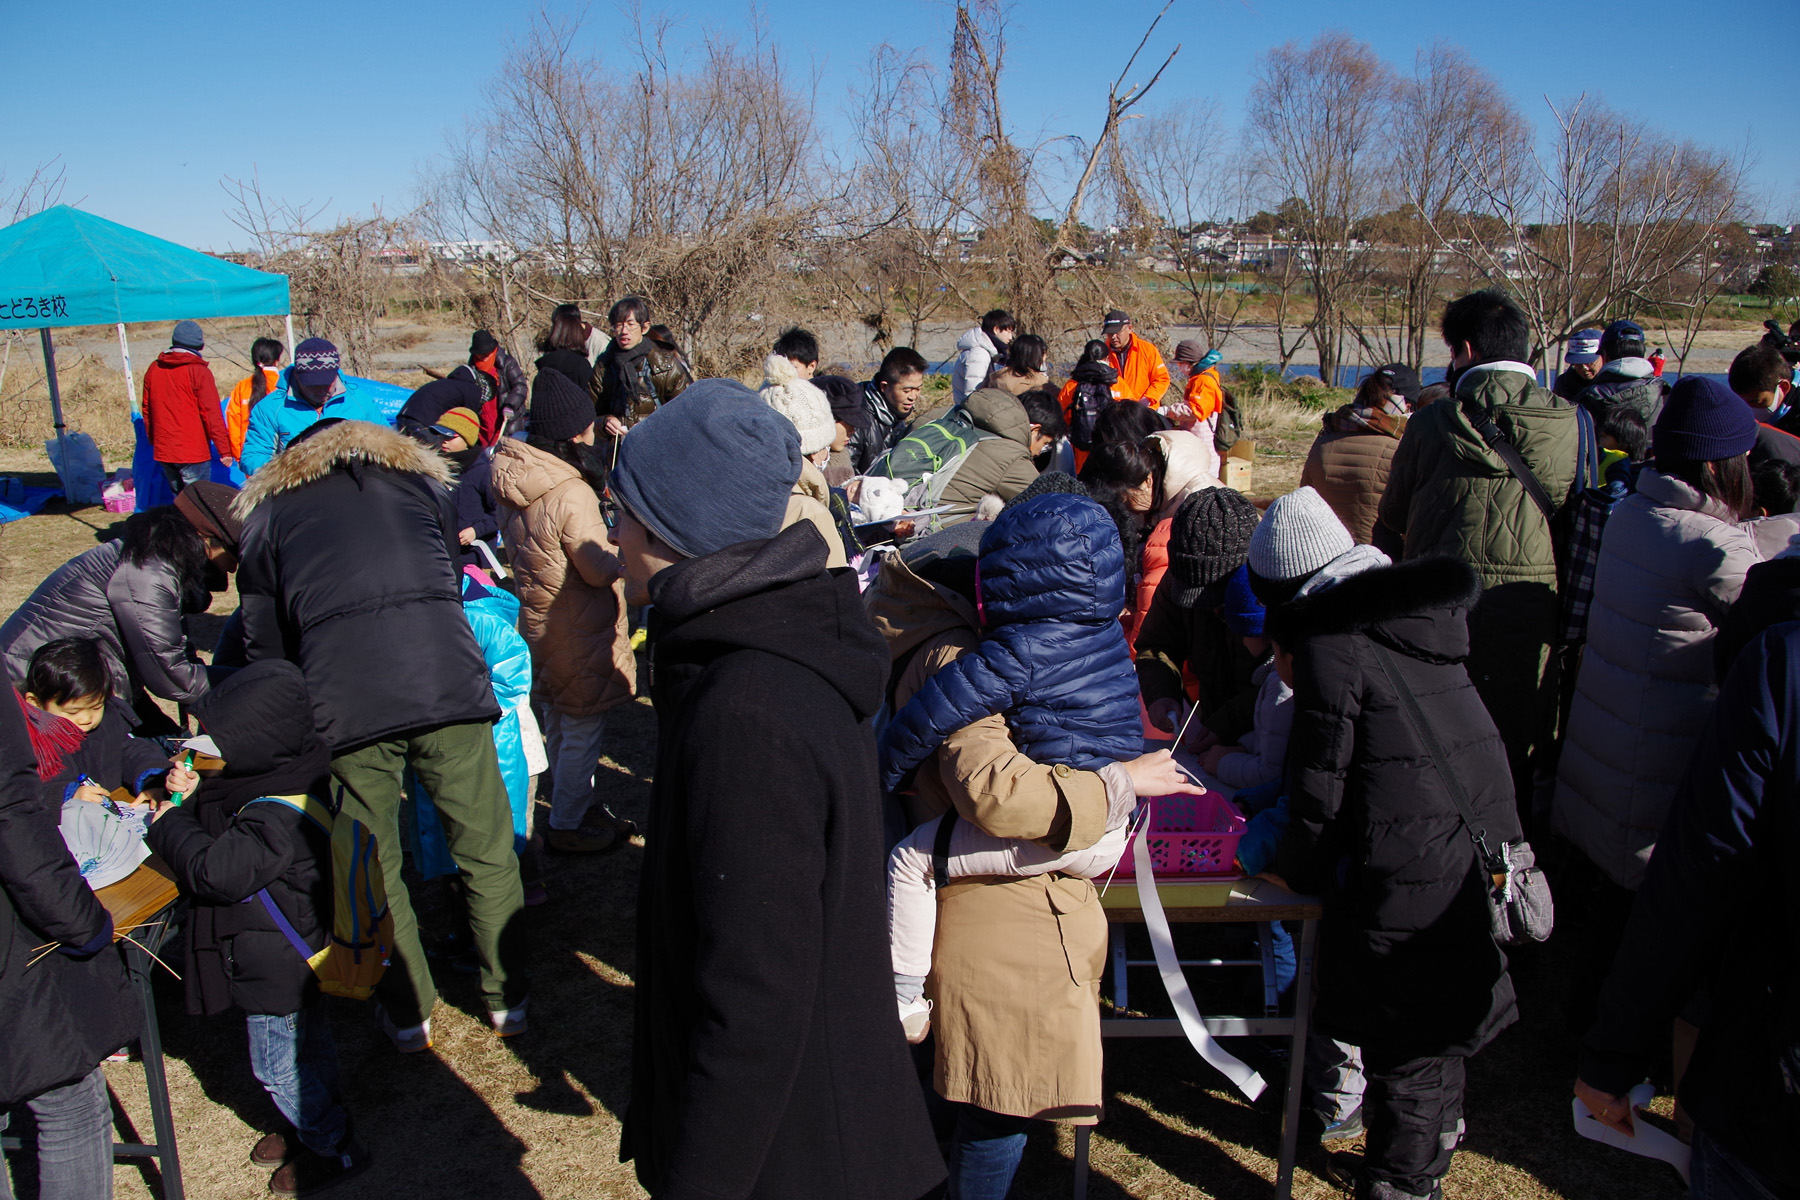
(361, 945)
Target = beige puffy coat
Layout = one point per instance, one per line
(1348, 466)
(1017, 962)
(571, 602)
(1671, 563)
(811, 501)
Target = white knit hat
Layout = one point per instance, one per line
(800, 402)
(1298, 535)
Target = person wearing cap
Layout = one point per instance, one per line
(313, 389)
(501, 380)
(572, 610)
(1582, 363)
(1451, 493)
(132, 594)
(349, 571)
(767, 1057)
(1202, 395)
(1142, 373)
(1184, 630)
(1626, 375)
(1672, 563)
(457, 436)
(797, 399)
(1408, 970)
(1348, 462)
(182, 413)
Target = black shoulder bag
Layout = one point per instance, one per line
(1519, 905)
(1509, 454)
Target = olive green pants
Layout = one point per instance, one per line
(458, 767)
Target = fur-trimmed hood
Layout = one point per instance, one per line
(348, 444)
(1418, 608)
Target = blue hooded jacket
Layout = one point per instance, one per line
(1050, 588)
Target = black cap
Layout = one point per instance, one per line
(1115, 318)
(1402, 378)
(481, 345)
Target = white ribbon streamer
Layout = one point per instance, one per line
(1175, 982)
(1650, 1142)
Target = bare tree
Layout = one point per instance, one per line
(1317, 123)
(42, 189)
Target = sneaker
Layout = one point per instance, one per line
(1345, 1130)
(582, 841)
(407, 1039)
(510, 1022)
(273, 1151)
(915, 1019)
(309, 1173)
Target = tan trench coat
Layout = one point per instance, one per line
(1017, 963)
(571, 602)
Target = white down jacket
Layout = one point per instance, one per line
(1671, 563)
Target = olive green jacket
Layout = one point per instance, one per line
(1449, 494)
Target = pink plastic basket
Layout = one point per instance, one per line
(1189, 837)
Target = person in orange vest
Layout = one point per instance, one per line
(1203, 395)
(264, 377)
(1142, 373)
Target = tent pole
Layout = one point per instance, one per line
(290, 331)
(125, 357)
(62, 441)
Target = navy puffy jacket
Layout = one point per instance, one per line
(1051, 587)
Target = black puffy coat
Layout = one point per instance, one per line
(110, 757)
(348, 570)
(425, 406)
(1406, 960)
(768, 1062)
(883, 429)
(227, 842)
(64, 1014)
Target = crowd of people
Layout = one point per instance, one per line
(901, 657)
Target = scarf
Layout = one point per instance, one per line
(626, 378)
(1351, 419)
(53, 738)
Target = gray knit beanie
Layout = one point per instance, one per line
(710, 470)
(1298, 535)
(188, 336)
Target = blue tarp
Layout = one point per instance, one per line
(153, 489)
(67, 267)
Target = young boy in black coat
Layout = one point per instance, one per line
(1407, 968)
(768, 1060)
(250, 858)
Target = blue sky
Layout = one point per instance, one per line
(151, 105)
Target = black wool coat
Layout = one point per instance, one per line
(768, 1062)
(62, 1015)
(1406, 959)
(348, 570)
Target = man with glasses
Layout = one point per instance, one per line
(635, 375)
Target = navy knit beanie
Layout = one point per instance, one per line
(710, 469)
(1702, 421)
(188, 336)
(1244, 613)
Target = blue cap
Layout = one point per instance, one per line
(1622, 339)
(1584, 347)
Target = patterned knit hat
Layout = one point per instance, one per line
(463, 423)
(315, 363)
(1208, 540)
(1298, 535)
(800, 402)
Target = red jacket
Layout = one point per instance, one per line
(182, 411)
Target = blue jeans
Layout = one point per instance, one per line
(180, 475)
(1717, 1174)
(295, 1060)
(985, 1153)
(74, 1141)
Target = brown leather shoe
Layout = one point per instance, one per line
(273, 1151)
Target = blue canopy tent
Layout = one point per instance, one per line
(65, 267)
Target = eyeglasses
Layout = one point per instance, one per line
(628, 324)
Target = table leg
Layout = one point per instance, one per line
(156, 1080)
(1121, 969)
(1290, 1111)
(1266, 940)
(1081, 1160)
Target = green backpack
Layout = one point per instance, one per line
(930, 448)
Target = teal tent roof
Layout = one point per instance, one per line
(67, 267)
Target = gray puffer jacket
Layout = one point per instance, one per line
(1671, 564)
(134, 611)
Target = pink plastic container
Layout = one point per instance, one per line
(119, 502)
(1190, 837)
